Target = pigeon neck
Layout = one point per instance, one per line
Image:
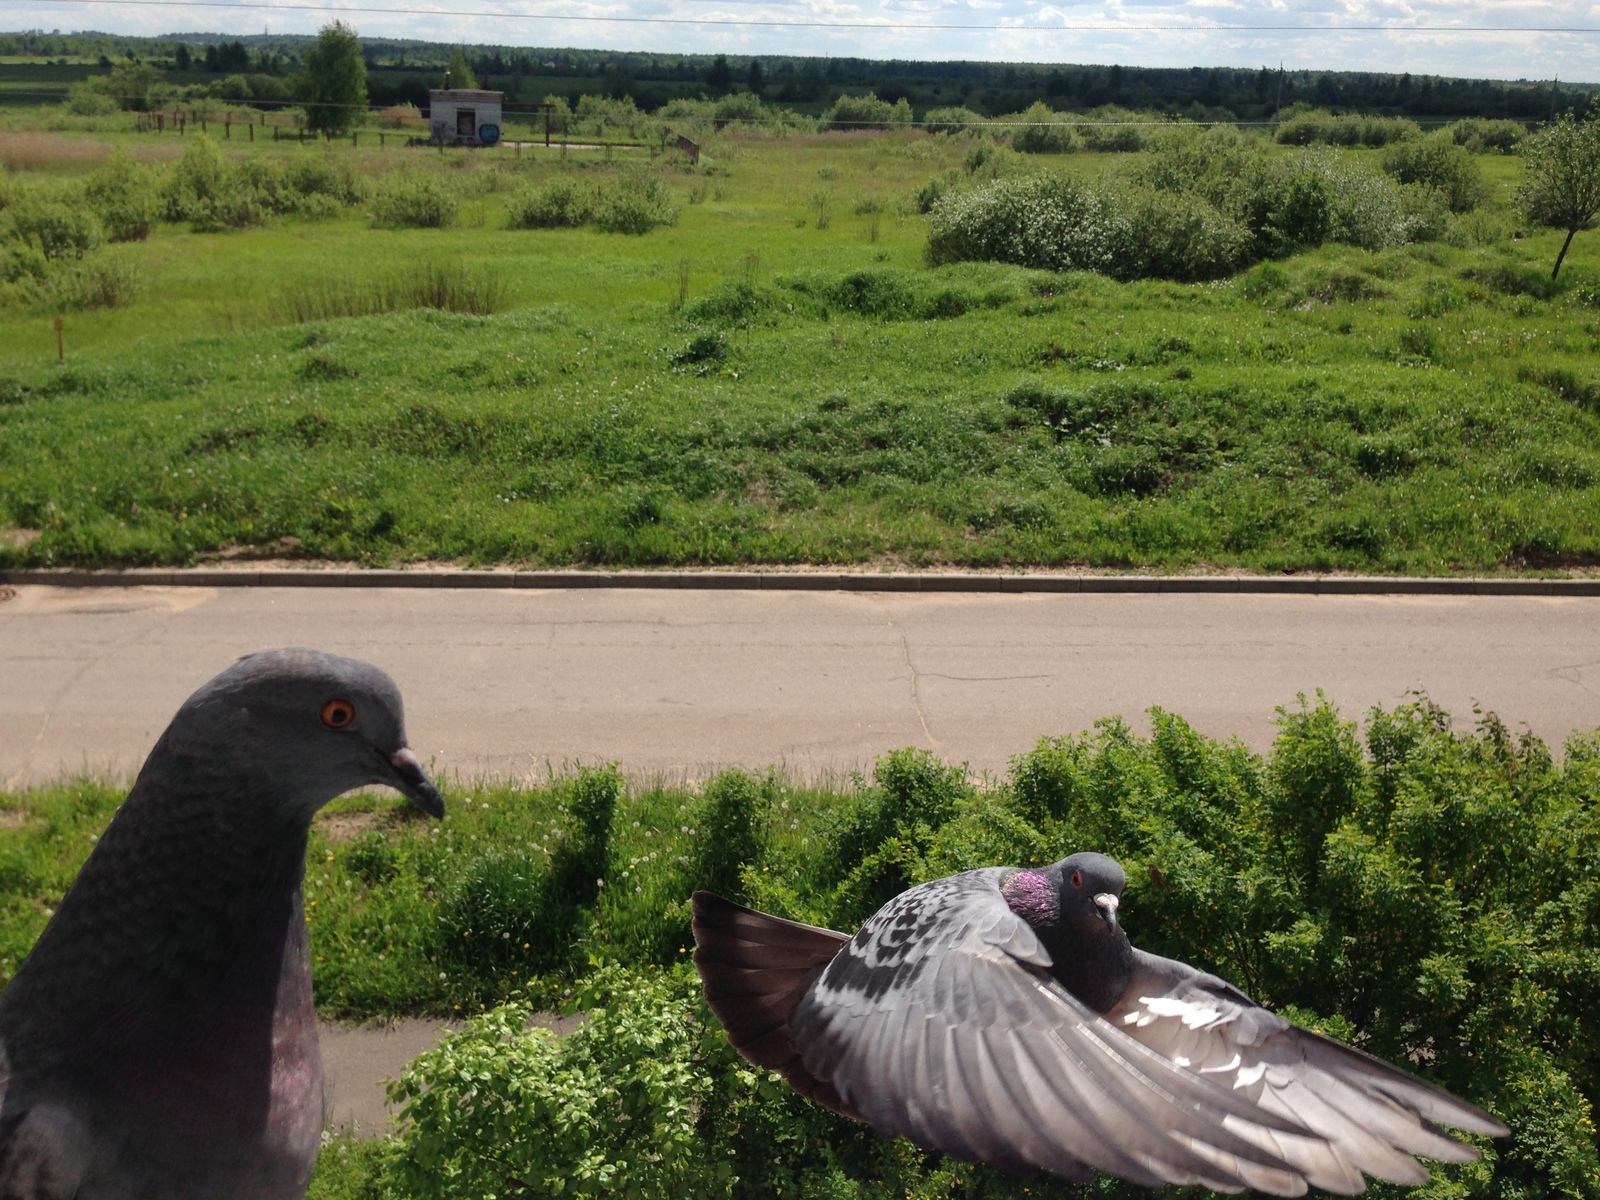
(1094, 967)
(190, 902)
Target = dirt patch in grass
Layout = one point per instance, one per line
(341, 827)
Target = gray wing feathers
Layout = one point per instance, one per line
(1365, 1116)
(937, 1022)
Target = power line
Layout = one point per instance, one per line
(750, 22)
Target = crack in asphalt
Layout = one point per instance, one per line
(916, 699)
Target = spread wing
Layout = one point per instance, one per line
(755, 967)
(939, 1022)
(1369, 1117)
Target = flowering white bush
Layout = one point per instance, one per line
(1198, 206)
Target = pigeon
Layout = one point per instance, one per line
(1002, 1016)
(159, 1041)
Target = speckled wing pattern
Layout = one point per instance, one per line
(940, 1022)
(1369, 1116)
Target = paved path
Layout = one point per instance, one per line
(511, 683)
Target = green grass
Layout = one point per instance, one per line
(1431, 409)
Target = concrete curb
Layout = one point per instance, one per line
(848, 581)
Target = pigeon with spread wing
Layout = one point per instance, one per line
(1003, 1016)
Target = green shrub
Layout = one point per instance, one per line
(509, 910)
(131, 85)
(1061, 225)
(195, 178)
(562, 203)
(953, 120)
(613, 1109)
(1481, 136)
(413, 199)
(701, 350)
(731, 827)
(1304, 128)
(60, 228)
(1052, 223)
(323, 175)
(104, 280)
(1181, 236)
(930, 194)
(90, 102)
(735, 304)
(1112, 130)
(635, 203)
(866, 112)
(1196, 206)
(124, 195)
(1041, 131)
(1438, 162)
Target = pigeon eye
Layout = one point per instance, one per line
(337, 714)
(1077, 879)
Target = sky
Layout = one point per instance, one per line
(1433, 37)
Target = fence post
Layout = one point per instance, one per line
(252, 130)
(161, 123)
(353, 138)
(227, 129)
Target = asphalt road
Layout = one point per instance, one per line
(511, 683)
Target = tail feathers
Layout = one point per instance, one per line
(755, 968)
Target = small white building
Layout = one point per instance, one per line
(465, 116)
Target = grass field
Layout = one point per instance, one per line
(746, 387)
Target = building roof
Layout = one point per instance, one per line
(476, 95)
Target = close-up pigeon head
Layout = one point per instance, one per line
(1081, 892)
(306, 725)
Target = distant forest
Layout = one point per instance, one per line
(402, 71)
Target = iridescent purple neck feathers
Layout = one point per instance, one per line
(1033, 897)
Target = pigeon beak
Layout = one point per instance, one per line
(414, 783)
(1107, 904)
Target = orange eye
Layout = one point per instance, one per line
(1077, 879)
(337, 714)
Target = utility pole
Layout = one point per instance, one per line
(1277, 108)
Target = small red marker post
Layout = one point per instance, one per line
(61, 341)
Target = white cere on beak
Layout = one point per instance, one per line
(1107, 903)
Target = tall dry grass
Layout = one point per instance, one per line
(31, 151)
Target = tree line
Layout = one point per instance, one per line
(402, 71)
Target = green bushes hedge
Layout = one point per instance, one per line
(1441, 163)
(1306, 127)
(1431, 894)
(412, 200)
(866, 112)
(634, 202)
(1198, 206)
